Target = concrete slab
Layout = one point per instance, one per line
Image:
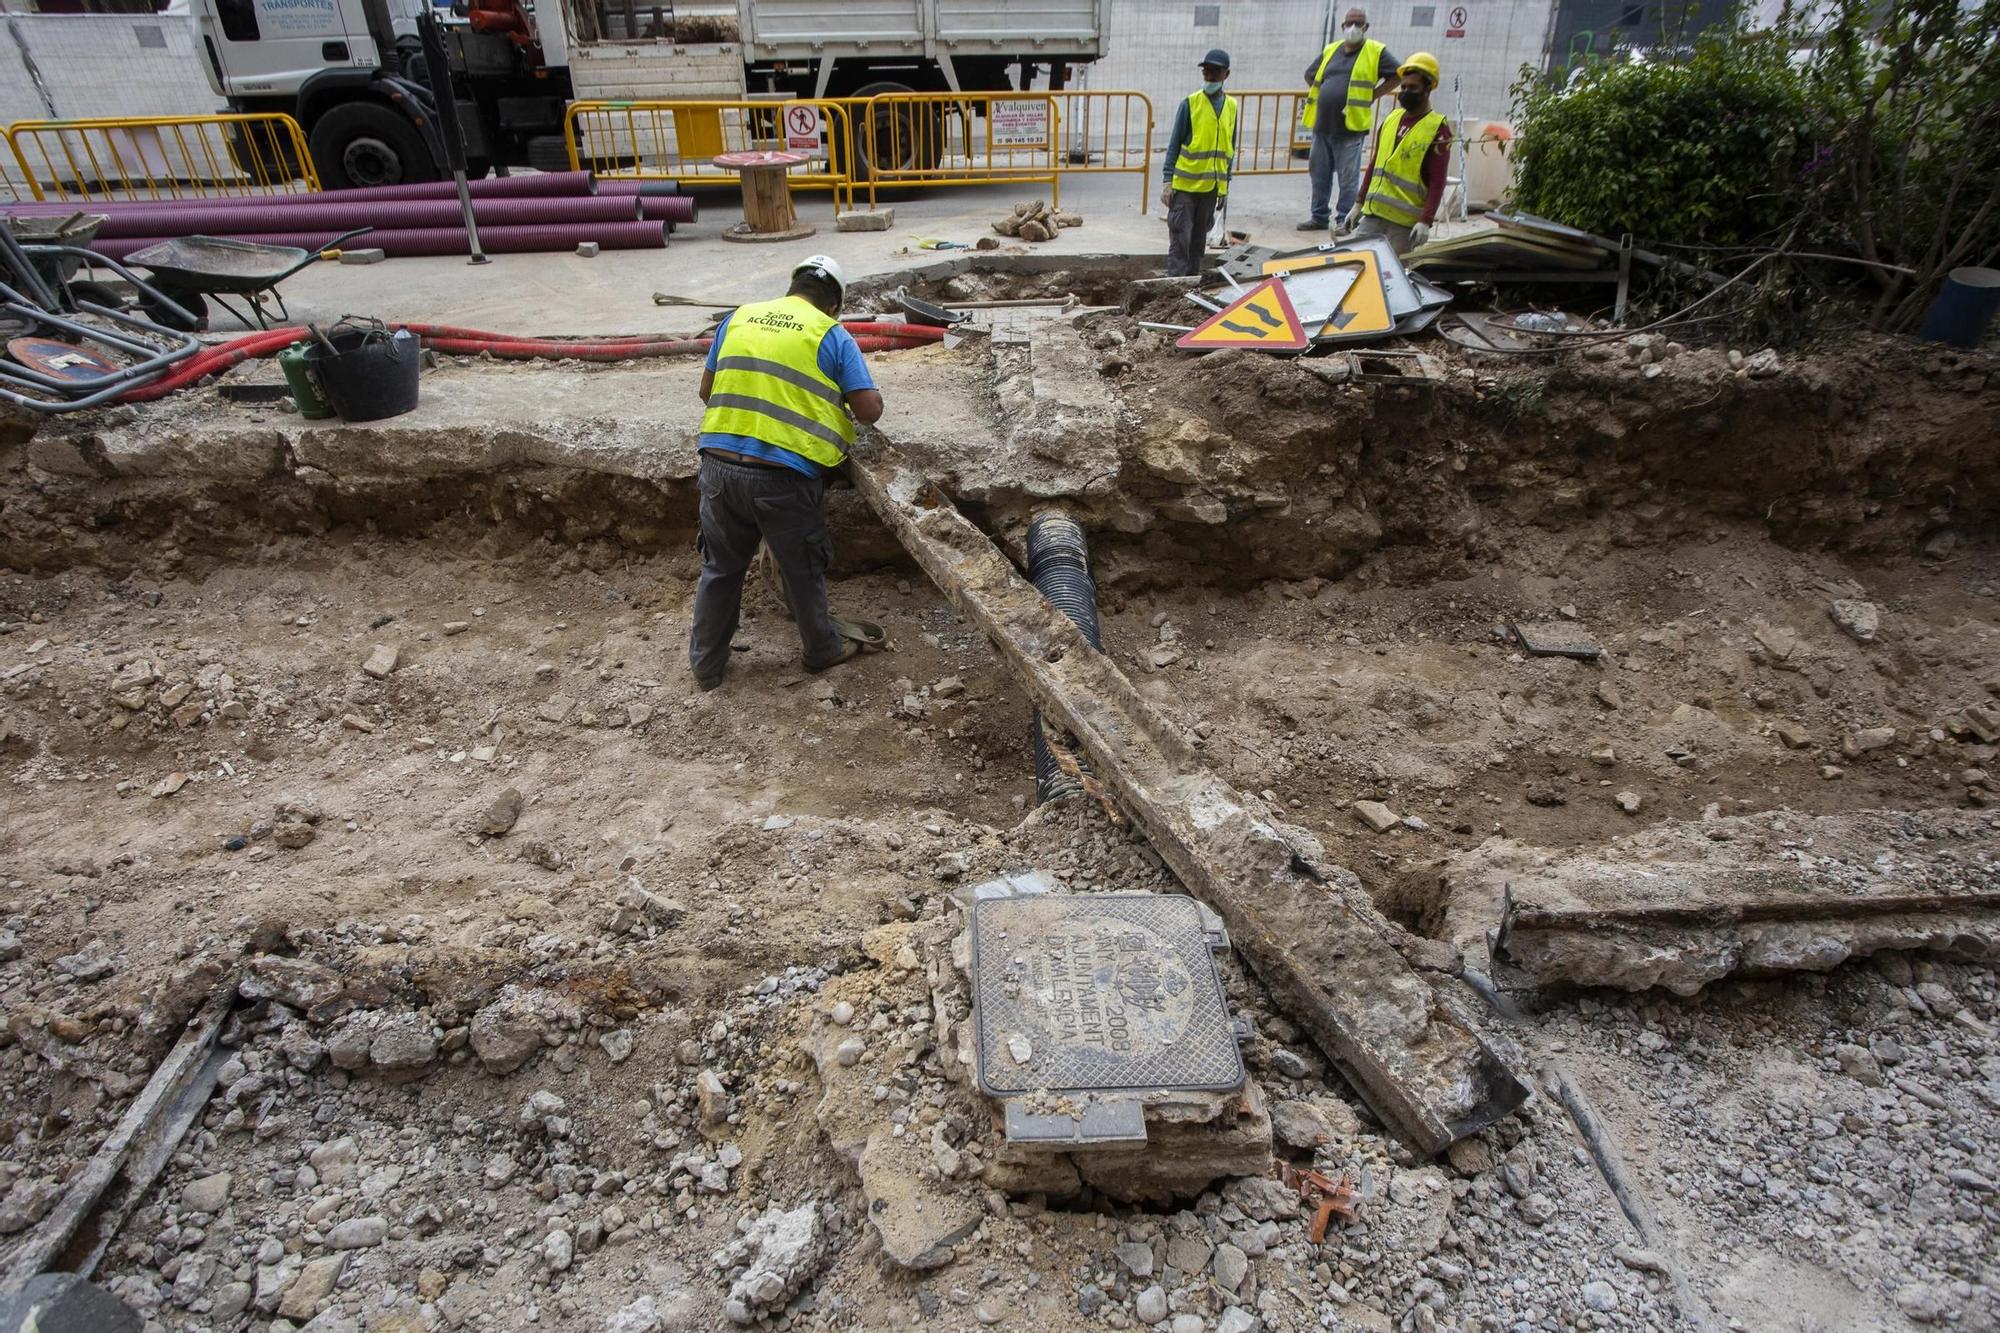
(637, 420)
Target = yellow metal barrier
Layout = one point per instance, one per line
(15, 187)
(1268, 133)
(1106, 131)
(999, 138)
(890, 141)
(676, 140)
(141, 158)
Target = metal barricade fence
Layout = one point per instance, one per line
(999, 138)
(677, 140)
(1105, 132)
(15, 186)
(140, 158)
(1267, 132)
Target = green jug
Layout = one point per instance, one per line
(312, 404)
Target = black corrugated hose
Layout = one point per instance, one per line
(1059, 566)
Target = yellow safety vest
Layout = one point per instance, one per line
(1396, 193)
(1361, 81)
(1209, 154)
(768, 384)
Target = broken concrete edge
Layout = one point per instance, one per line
(184, 1072)
(1411, 1054)
(352, 454)
(1683, 960)
(1678, 910)
(1782, 896)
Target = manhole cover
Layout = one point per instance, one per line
(1111, 992)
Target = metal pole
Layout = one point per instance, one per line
(1464, 154)
(438, 75)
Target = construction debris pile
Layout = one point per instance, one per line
(1036, 221)
(1342, 292)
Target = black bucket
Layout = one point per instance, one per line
(369, 374)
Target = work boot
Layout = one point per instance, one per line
(1310, 225)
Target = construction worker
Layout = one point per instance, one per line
(1407, 173)
(782, 379)
(1349, 75)
(1201, 154)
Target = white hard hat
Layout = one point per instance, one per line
(826, 266)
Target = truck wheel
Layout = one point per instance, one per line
(548, 152)
(364, 143)
(896, 139)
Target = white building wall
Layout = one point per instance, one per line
(102, 65)
(1154, 47)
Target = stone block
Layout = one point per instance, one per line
(865, 219)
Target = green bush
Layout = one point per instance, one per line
(1859, 137)
(1702, 151)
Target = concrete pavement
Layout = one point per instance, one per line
(561, 293)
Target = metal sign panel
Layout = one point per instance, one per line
(1018, 122)
(1098, 993)
(1365, 312)
(1318, 292)
(1263, 317)
(1402, 292)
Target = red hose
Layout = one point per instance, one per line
(534, 349)
(214, 360)
(455, 341)
(859, 328)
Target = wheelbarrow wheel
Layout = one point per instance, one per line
(193, 302)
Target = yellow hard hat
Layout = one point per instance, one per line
(1424, 63)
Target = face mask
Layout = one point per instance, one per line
(1212, 88)
(1411, 98)
(1352, 33)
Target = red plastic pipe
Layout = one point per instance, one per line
(456, 341)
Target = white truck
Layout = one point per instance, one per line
(345, 69)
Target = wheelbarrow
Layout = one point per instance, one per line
(195, 269)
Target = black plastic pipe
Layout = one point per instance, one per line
(1059, 567)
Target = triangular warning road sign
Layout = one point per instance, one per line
(1262, 317)
(1364, 311)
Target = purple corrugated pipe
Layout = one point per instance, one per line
(651, 189)
(677, 208)
(542, 185)
(552, 185)
(394, 214)
(415, 242)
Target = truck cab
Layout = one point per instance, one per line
(350, 71)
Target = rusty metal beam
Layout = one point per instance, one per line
(1329, 958)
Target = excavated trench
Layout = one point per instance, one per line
(1313, 575)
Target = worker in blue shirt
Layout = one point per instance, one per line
(784, 385)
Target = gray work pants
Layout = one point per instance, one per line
(1335, 158)
(1189, 216)
(741, 505)
(1398, 235)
